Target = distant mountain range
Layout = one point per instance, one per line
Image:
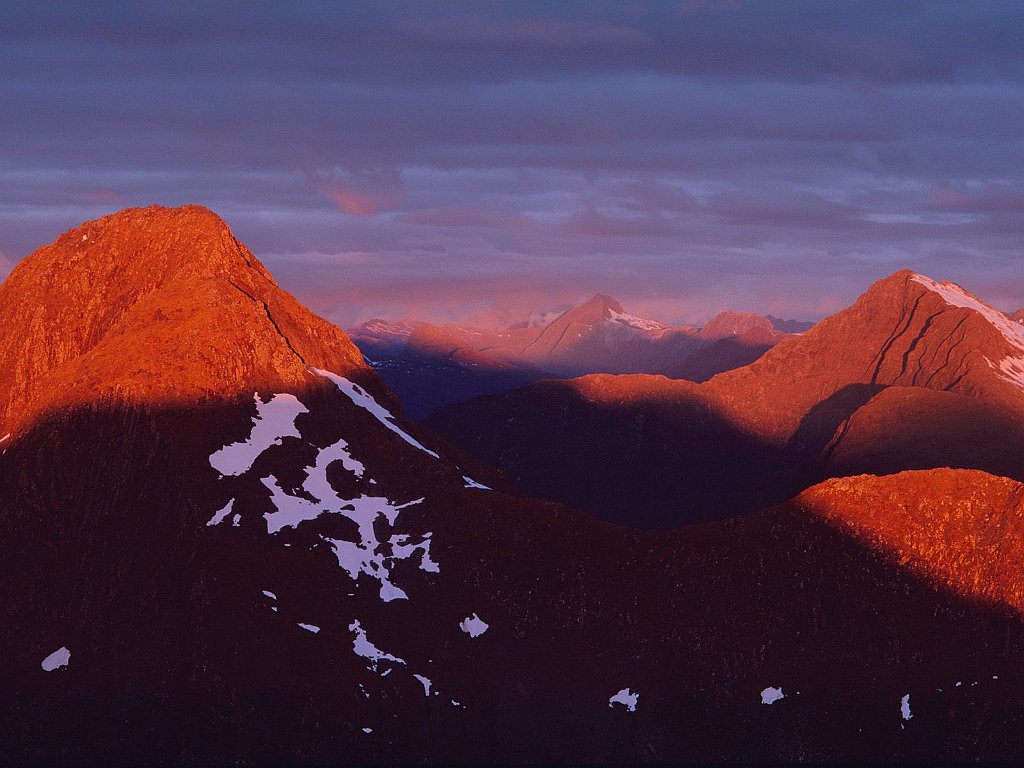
(915, 374)
(430, 366)
(222, 543)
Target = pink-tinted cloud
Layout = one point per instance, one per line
(352, 202)
(467, 215)
(996, 199)
(543, 32)
(365, 193)
(99, 196)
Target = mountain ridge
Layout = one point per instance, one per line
(296, 574)
(637, 448)
(123, 297)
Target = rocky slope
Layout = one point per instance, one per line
(632, 448)
(432, 366)
(153, 306)
(732, 340)
(270, 566)
(429, 367)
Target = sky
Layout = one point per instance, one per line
(493, 162)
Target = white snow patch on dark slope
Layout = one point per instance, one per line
(473, 625)
(363, 647)
(365, 400)
(626, 698)
(771, 695)
(1011, 366)
(56, 660)
(274, 420)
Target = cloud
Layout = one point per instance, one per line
(99, 196)
(698, 154)
(367, 193)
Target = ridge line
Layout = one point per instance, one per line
(270, 317)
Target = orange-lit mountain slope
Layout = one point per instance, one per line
(648, 451)
(258, 562)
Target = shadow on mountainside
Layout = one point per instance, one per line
(424, 384)
(177, 653)
(824, 425)
(660, 461)
(717, 357)
(651, 464)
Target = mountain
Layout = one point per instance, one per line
(600, 336)
(790, 326)
(595, 336)
(643, 450)
(906, 330)
(1018, 316)
(732, 340)
(429, 367)
(88, 318)
(219, 550)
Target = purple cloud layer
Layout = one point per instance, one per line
(449, 160)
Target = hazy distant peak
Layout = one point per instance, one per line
(731, 323)
(598, 307)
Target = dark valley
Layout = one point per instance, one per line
(223, 542)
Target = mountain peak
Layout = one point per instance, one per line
(153, 304)
(906, 330)
(151, 244)
(599, 306)
(730, 323)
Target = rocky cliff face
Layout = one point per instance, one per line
(653, 452)
(268, 566)
(907, 330)
(153, 305)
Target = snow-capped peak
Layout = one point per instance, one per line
(633, 321)
(1012, 366)
(956, 296)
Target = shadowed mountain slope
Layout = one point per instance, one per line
(647, 451)
(429, 366)
(299, 576)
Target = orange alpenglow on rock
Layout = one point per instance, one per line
(154, 305)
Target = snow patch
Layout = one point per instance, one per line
(56, 660)
(367, 730)
(473, 626)
(905, 707)
(402, 549)
(771, 695)
(363, 647)
(270, 594)
(369, 555)
(425, 682)
(626, 698)
(640, 323)
(471, 483)
(309, 627)
(1012, 367)
(221, 514)
(365, 400)
(274, 421)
